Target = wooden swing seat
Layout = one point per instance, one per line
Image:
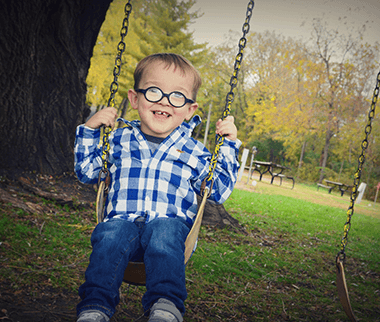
(343, 290)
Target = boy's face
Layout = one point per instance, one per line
(161, 118)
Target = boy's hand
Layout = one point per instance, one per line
(227, 128)
(106, 116)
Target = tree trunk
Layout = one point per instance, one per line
(302, 154)
(300, 162)
(45, 51)
(341, 169)
(215, 215)
(329, 135)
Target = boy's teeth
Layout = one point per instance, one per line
(162, 113)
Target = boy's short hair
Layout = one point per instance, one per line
(169, 59)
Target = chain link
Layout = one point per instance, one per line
(233, 82)
(115, 86)
(347, 226)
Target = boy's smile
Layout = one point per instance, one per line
(160, 118)
(161, 113)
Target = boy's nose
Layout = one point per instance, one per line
(164, 101)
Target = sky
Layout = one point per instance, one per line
(291, 18)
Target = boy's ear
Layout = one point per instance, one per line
(132, 97)
(192, 108)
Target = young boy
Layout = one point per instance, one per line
(156, 170)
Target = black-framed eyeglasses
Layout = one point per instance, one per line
(154, 94)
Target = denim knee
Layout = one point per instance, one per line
(162, 233)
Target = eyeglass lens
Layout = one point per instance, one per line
(154, 94)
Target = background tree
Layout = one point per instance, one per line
(45, 50)
(334, 52)
(100, 74)
(287, 90)
(216, 72)
(281, 102)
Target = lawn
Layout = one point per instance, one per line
(285, 268)
(281, 269)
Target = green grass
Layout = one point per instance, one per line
(285, 268)
(41, 249)
(282, 269)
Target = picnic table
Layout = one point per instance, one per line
(330, 185)
(275, 170)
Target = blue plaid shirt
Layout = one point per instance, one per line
(162, 184)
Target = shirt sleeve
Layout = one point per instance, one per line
(226, 171)
(87, 154)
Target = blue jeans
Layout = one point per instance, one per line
(161, 242)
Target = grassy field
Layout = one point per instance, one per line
(285, 268)
(282, 269)
(312, 194)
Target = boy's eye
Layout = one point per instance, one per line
(154, 90)
(177, 95)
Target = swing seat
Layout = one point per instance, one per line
(135, 272)
(343, 290)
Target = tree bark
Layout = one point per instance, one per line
(329, 135)
(45, 51)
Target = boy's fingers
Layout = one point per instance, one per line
(106, 117)
(230, 119)
(112, 111)
(111, 115)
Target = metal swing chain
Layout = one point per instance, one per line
(230, 96)
(114, 88)
(341, 254)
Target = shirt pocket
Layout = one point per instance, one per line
(177, 167)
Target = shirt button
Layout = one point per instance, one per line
(147, 199)
(139, 137)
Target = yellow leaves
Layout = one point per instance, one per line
(102, 65)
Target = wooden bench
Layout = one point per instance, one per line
(267, 167)
(344, 188)
(341, 186)
(281, 176)
(324, 186)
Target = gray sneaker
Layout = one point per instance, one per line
(164, 311)
(93, 316)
